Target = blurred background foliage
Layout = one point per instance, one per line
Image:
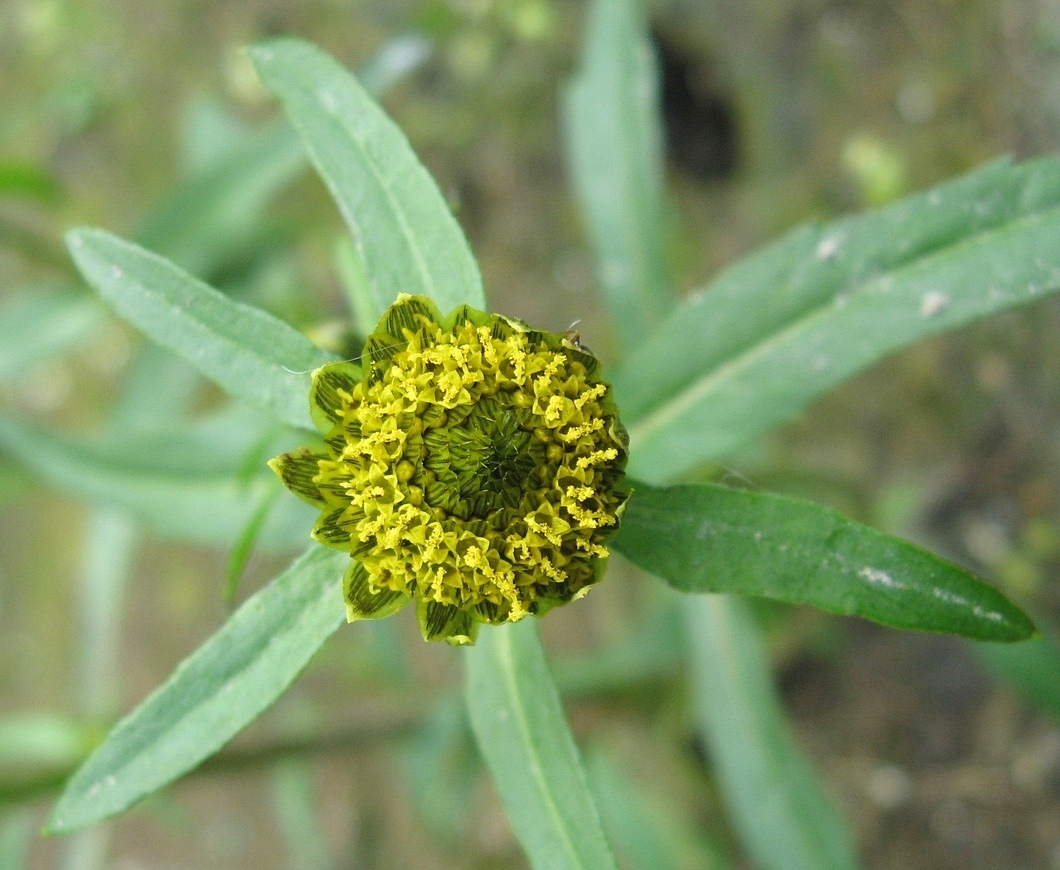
(776, 112)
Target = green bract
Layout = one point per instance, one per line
(470, 463)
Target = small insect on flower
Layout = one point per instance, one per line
(470, 464)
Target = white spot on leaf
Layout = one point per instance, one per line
(933, 303)
(828, 247)
(879, 577)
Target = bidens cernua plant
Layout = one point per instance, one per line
(470, 463)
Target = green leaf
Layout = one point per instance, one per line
(649, 827)
(784, 326)
(709, 538)
(518, 721)
(31, 741)
(1033, 668)
(108, 550)
(213, 694)
(212, 217)
(22, 178)
(782, 815)
(612, 133)
(37, 326)
(184, 484)
(405, 233)
(246, 351)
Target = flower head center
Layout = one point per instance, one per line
(482, 464)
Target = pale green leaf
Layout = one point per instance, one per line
(779, 329)
(612, 133)
(1033, 668)
(215, 215)
(405, 233)
(778, 808)
(709, 538)
(39, 325)
(212, 217)
(184, 484)
(215, 693)
(647, 824)
(523, 734)
(248, 352)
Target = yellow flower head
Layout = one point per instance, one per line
(470, 463)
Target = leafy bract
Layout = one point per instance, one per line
(523, 735)
(709, 538)
(246, 351)
(614, 151)
(213, 694)
(405, 233)
(779, 809)
(785, 325)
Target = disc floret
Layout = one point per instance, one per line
(470, 463)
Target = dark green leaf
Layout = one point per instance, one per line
(249, 353)
(778, 807)
(613, 142)
(523, 735)
(212, 695)
(784, 326)
(709, 538)
(406, 235)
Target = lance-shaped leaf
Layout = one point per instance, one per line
(613, 142)
(784, 326)
(213, 694)
(405, 233)
(777, 806)
(709, 538)
(520, 727)
(249, 353)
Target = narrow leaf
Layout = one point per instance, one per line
(405, 233)
(776, 804)
(789, 323)
(612, 134)
(213, 694)
(210, 218)
(108, 551)
(34, 327)
(709, 538)
(183, 486)
(524, 737)
(649, 827)
(213, 216)
(249, 353)
(1033, 668)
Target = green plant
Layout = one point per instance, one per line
(699, 376)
